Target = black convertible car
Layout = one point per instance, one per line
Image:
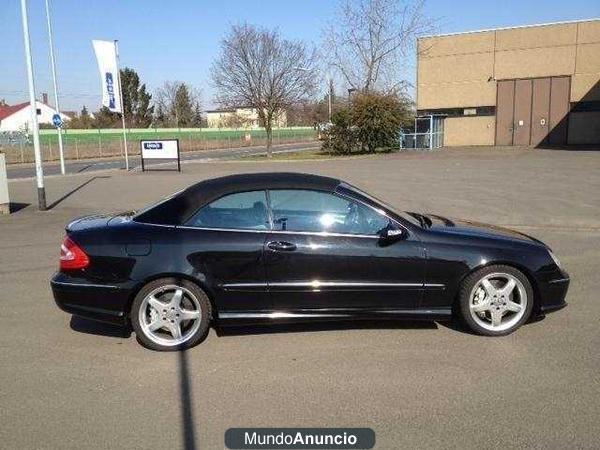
(296, 247)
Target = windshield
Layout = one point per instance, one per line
(405, 215)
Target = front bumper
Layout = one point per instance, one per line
(95, 301)
(553, 293)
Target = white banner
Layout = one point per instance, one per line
(106, 54)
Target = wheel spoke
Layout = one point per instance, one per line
(481, 306)
(508, 287)
(156, 304)
(176, 300)
(496, 317)
(175, 330)
(155, 324)
(514, 307)
(488, 287)
(186, 314)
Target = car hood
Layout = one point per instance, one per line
(470, 228)
(98, 221)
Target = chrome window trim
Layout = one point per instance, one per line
(311, 233)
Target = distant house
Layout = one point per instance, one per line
(242, 117)
(18, 117)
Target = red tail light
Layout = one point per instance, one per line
(72, 256)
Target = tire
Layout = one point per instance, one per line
(166, 305)
(489, 307)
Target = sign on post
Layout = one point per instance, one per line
(165, 149)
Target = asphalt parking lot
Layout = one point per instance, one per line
(68, 383)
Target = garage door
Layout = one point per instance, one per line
(532, 111)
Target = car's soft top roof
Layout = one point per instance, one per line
(177, 209)
(217, 187)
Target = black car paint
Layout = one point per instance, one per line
(242, 275)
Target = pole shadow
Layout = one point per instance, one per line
(68, 194)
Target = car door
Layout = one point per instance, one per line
(325, 251)
(224, 242)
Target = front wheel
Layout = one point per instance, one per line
(170, 314)
(495, 300)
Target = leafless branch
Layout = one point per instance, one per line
(370, 40)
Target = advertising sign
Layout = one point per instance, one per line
(163, 149)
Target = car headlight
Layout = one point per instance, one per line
(555, 259)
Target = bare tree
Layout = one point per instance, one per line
(369, 40)
(259, 68)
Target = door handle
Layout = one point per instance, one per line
(280, 246)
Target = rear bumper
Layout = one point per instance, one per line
(101, 302)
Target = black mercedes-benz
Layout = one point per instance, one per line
(296, 247)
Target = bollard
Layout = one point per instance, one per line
(4, 199)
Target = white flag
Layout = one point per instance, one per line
(106, 54)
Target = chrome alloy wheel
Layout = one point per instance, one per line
(498, 301)
(170, 315)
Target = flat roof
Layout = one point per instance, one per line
(510, 28)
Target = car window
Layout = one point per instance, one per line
(304, 210)
(241, 211)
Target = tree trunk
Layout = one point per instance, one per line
(269, 131)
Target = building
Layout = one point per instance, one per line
(242, 117)
(18, 117)
(532, 85)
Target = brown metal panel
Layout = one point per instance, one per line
(522, 121)
(540, 110)
(505, 96)
(559, 110)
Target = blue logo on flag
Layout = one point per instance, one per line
(110, 88)
(57, 120)
(153, 146)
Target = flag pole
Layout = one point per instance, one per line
(56, 105)
(39, 171)
(122, 104)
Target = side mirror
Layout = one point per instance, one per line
(391, 234)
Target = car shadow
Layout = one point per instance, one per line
(241, 330)
(86, 326)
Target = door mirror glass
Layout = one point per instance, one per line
(392, 233)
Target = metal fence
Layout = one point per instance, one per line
(428, 134)
(18, 147)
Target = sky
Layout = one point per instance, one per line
(179, 39)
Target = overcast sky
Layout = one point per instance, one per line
(178, 39)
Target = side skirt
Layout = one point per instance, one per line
(310, 315)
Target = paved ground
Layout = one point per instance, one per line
(68, 383)
(17, 171)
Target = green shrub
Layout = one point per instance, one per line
(372, 122)
(341, 136)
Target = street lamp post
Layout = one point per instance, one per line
(53, 64)
(39, 172)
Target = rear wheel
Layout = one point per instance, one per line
(170, 314)
(495, 300)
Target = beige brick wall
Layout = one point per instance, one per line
(459, 131)
(453, 71)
